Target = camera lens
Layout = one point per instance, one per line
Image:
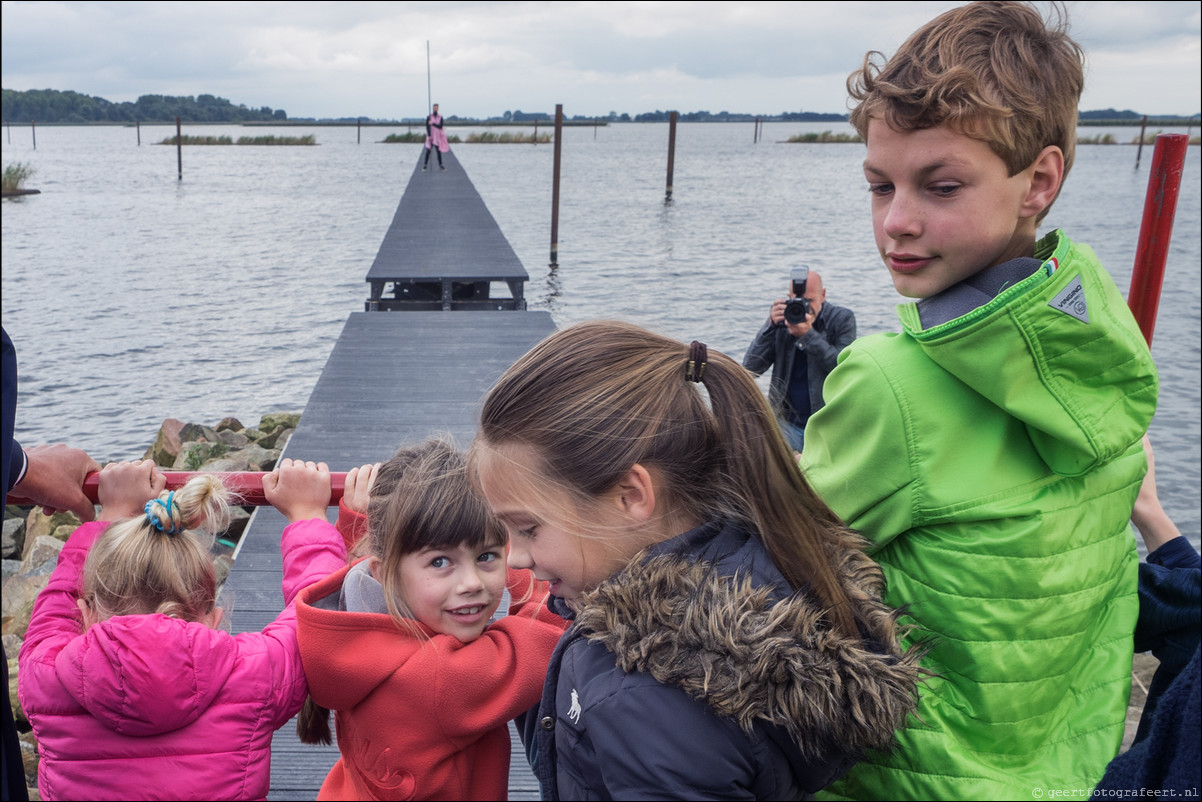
(797, 310)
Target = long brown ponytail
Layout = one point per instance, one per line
(596, 398)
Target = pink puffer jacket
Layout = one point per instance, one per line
(151, 707)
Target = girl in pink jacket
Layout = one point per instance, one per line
(132, 691)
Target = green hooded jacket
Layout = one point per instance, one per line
(993, 461)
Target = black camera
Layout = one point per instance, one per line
(797, 308)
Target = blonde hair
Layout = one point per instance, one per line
(994, 71)
(421, 499)
(154, 563)
(597, 398)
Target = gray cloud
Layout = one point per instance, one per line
(318, 59)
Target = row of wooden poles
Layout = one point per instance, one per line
(1151, 254)
(672, 116)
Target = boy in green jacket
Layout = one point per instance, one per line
(991, 450)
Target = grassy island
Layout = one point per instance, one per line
(410, 137)
(824, 137)
(15, 175)
(488, 137)
(307, 139)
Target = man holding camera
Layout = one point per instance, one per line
(801, 342)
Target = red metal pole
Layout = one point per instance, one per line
(1160, 206)
(247, 485)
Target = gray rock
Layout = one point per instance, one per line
(12, 645)
(275, 420)
(232, 439)
(222, 565)
(195, 432)
(19, 594)
(256, 456)
(283, 439)
(232, 463)
(37, 525)
(29, 756)
(14, 538)
(194, 454)
(239, 518)
(166, 444)
(44, 553)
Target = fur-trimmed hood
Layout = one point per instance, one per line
(721, 625)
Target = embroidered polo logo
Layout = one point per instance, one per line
(1071, 301)
(574, 710)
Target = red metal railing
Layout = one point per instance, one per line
(246, 485)
(1160, 206)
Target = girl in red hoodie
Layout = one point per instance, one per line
(401, 643)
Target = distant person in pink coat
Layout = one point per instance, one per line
(435, 138)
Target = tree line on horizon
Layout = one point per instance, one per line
(55, 106)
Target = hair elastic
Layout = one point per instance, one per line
(155, 520)
(695, 368)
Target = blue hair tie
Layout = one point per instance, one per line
(153, 518)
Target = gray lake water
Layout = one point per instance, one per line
(133, 296)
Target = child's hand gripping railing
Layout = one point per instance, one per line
(246, 485)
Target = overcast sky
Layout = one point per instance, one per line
(348, 59)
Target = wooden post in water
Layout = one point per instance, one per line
(179, 149)
(138, 125)
(756, 137)
(358, 130)
(1140, 152)
(534, 138)
(1160, 206)
(555, 186)
(671, 153)
(33, 129)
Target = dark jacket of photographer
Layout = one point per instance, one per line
(832, 331)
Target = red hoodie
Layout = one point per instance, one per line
(423, 718)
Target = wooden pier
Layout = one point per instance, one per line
(444, 250)
(393, 379)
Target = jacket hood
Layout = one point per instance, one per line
(752, 656)
(333, 645)
(1079, 382)
(146, 674)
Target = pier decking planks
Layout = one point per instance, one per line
(443, 249)
(390, 379)
(393, 379)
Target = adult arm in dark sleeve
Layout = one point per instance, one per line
(53, 475)
(12, 784)
(762, 351)
(13, 459)
(824, 346)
